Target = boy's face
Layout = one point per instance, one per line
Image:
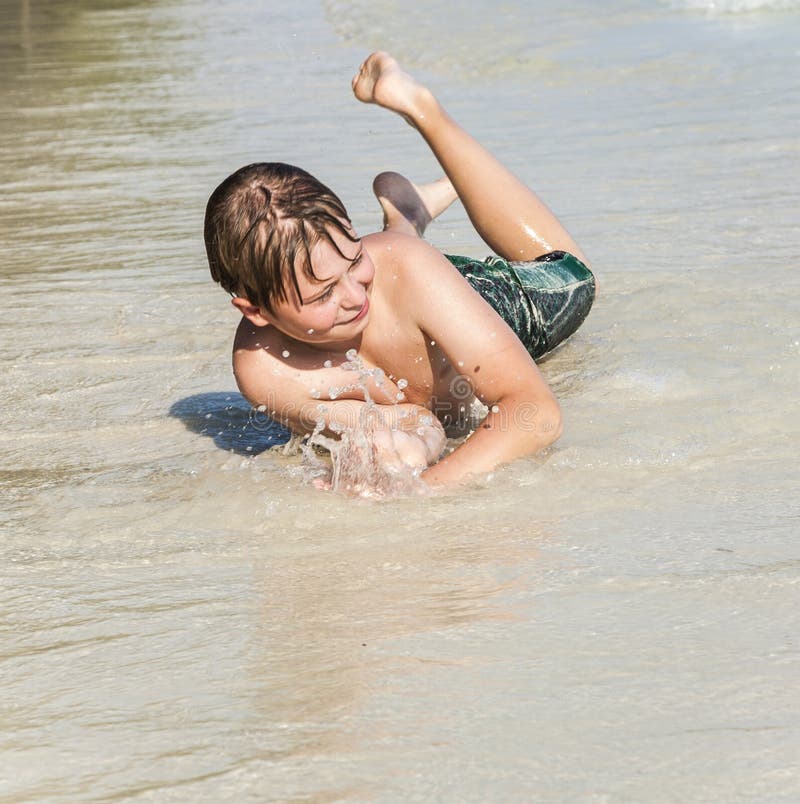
(334, 307)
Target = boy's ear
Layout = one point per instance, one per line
(250, 311)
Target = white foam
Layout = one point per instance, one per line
(736, 6)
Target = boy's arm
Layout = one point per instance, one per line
(405, 431)
(287, 393)
(524, 416)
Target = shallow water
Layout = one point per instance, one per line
(616, 620)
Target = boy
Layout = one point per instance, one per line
(310, 291)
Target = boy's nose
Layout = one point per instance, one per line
(355, 293)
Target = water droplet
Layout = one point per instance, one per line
(400, 396)
(401, 383)
(311, 331)
(495, 409)
(315, 394)
(261, 408)
(460, 363)
(351, 354)
(285, 353)
(327, 364)
(433, 343)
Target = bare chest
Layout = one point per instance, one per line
(415, 365)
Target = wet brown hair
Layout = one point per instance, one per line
(262, 223)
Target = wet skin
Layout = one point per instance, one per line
(354, 304)
(423, 324)
(415, 317)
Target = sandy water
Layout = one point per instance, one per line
(616, 620)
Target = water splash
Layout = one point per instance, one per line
(363, 461)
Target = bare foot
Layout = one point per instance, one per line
(409, 207)
(380, 80)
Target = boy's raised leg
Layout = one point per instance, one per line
(409, 207)
(510, 217)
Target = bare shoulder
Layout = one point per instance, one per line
(417, 264)
(256, 364)
(401, 251)
(429, 278)
(277, 375)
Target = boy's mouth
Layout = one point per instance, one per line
(361, 313)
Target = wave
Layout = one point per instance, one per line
(736, 6)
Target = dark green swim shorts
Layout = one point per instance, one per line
(543, 301)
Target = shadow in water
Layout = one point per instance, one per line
(228, 418)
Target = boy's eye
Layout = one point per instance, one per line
(326, 295)
(329, 292)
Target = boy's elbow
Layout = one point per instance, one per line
(552, 424)
(559, 427)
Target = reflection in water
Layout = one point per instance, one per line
(329, 624)
(94, 116)
(25, 28)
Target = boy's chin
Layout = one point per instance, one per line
(336, 341)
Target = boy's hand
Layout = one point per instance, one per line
(385, 460)
(400, 449)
